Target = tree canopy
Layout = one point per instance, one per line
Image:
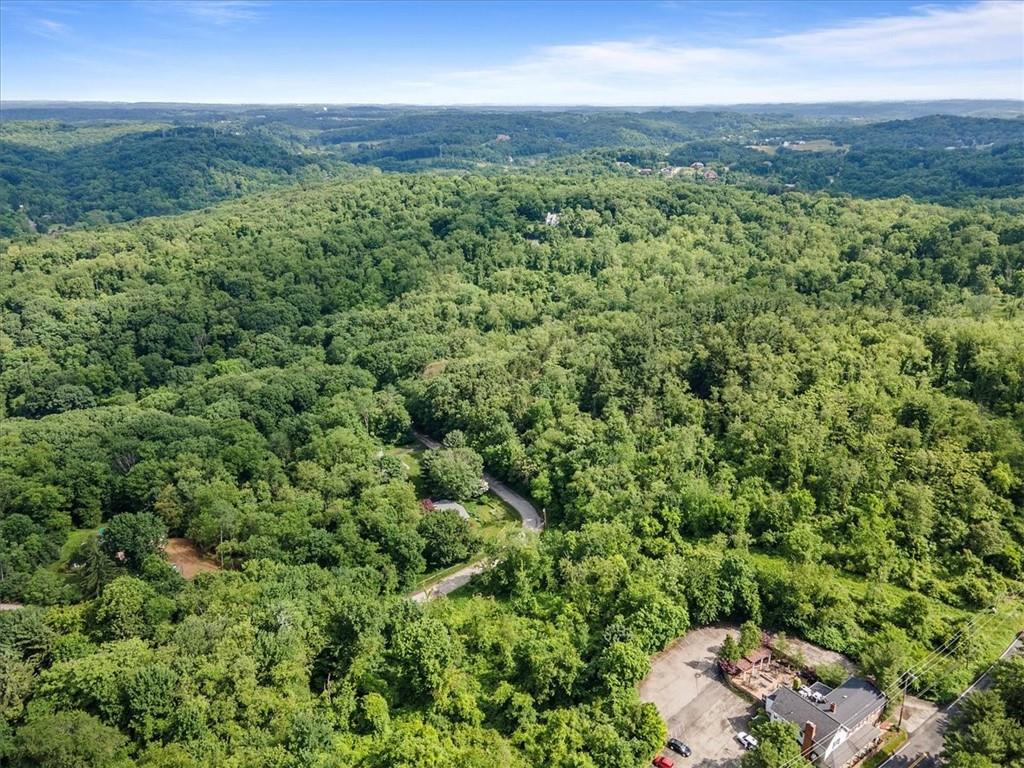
(793, 411)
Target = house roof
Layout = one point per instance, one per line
(820, 687)
(791, 706)
(855, 700)
(855, 743)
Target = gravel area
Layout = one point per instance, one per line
(700, 709)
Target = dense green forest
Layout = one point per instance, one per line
(75, 170)
(55, 174)
(989, 730)
(83, 165)
(941, 158)
(800, 410)
(457, 139)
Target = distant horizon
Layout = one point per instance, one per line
(498, 105)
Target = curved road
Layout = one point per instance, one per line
(925, 745)
(532, 521)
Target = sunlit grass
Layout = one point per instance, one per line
(74, 540)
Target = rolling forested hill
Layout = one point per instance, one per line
(56, 174)
(800, 410)
(91, 165)
(939, 158)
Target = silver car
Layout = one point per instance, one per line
(748, 741)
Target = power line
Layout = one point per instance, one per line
(981, 615)
(918, 668)
(931, 687)
(958, 638)
(950, 647)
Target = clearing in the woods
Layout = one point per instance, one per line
(184, 555)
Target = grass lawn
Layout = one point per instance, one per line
(814, 145)
(893, 742)
(75, 539)
(410, 457)
(489, 516)
(492, 518)
(817, 145)
(1007, 621)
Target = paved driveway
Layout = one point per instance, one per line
(686, 687)
(449, 583)
(532, 520)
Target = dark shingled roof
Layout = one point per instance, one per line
(791, 706)
(855, 700)
(855, 743)
(820, 687)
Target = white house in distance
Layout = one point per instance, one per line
(837, 725)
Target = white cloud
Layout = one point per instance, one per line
(50, 29)
(987, 31)
(970, 51)
(219, 12)
(648, 57)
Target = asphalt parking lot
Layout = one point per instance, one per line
(701, 711)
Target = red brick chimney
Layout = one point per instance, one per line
(832, 707)
(808, 744)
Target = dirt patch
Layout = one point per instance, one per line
(430, 370)
(814, 656)
(184, 555)
(817, 145)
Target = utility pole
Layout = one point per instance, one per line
(903, 703)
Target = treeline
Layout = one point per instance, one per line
(463, 139)
(931, 132)
(941, 159)
(952, 176)
(61, 178)
(733, 406)
(55, 174)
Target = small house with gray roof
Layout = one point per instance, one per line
(837, 726)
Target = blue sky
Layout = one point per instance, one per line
(635, 53)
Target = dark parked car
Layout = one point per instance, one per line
(678, 747)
